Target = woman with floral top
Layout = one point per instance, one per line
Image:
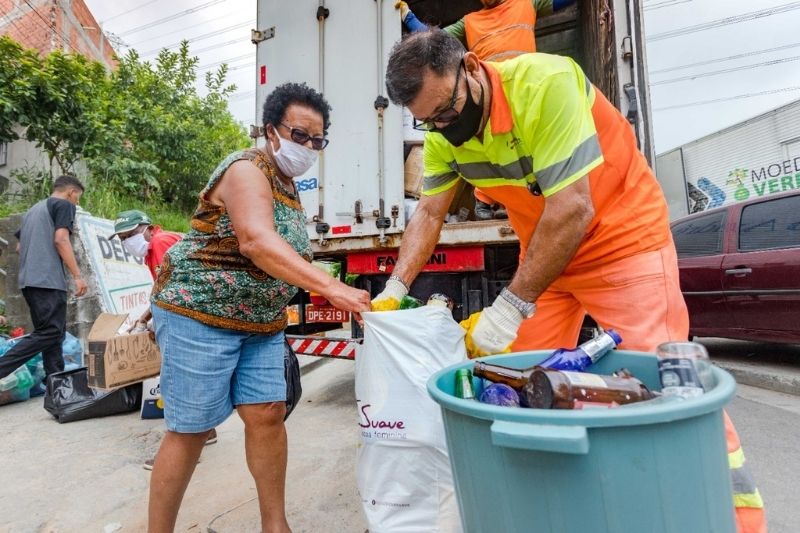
(219, 306)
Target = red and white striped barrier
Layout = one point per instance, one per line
(324, 347)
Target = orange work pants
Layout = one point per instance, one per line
(639, 297)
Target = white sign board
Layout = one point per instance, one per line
(124, 281)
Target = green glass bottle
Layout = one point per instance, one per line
(409, 302)
(463, 388)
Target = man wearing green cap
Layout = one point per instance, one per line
(142, 239)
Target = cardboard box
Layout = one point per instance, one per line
(414, 170)
(115, 360)
(152, 404)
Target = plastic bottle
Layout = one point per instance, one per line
(578, 359)
(684, 369)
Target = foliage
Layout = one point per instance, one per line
(167, 140)
(146, 136)
(57, 99)
(104, 201)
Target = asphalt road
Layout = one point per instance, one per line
(87, 476)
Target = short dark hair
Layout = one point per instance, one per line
(68, 182)
(294, 93)
(434, 49)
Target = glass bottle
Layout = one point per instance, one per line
(409, 302)
(438, 299)
(513, 377)
(684, 369)
(463, 385)
(555, 389)
(578, 359)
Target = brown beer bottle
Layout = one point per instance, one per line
(515, 378)
(553, 389)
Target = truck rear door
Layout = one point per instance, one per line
(340, 49)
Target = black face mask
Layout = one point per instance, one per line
(466, 125)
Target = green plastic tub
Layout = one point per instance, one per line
(657, 467)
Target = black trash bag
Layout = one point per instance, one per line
(68, 397)
(292, 372)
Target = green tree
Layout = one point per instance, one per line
(146, 135)
(58, 100)
(165, 138)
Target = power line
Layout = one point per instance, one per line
(668, 3)
(726, 70)
(128, 11)
(217, 46)
(45, 32)
(728, 58)
(241, 96)
(753, 15)
(171, 17)
(200, 37)
(729, 98)
(229, 60)
(231, 69)
(50, 26)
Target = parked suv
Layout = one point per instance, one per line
(740, 269)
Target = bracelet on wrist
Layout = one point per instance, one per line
(397, 278)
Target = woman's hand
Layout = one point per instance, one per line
(347, 298)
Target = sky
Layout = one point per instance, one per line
(219, 30)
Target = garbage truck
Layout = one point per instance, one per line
(360, 195)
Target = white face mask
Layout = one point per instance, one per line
(136, 245)
(294, 159)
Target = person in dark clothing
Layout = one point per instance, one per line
(44, 249)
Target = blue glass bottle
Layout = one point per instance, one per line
(578, 359)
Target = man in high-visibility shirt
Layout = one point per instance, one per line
(595, 239)
(502, 30)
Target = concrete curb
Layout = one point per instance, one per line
(765, 377)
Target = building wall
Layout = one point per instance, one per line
(754, 158)
(66, 25)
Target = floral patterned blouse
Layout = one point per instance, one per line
(205, 277)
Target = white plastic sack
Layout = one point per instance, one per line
(404, 475)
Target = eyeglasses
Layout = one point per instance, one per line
(301, 137)
(448, 115)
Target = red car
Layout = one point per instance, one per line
(740, 269)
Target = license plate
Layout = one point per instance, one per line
(326, 313)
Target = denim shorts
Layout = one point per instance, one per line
(207, 371)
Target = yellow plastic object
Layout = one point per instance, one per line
(473, 351)
(386, 304)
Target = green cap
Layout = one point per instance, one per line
(129, 220)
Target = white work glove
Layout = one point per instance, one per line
(492, 330)
(389, 299)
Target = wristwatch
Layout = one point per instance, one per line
(526, 309)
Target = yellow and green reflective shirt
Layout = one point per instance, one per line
(540, 131)
(549, 126)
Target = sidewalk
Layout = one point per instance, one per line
(87, 475)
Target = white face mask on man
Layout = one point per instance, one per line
(293, 159)
(136, 245)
